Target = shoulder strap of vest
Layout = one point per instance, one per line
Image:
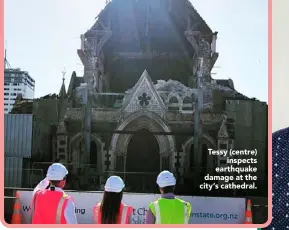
(60, 207)
(124, 213)
(34, 202)
(186, 211)
(95, 213)
(157, 212)
(65, 195)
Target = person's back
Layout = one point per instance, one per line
(50, 205)
(54, 202)
(111, 210)
(122, 217)
(168, 209)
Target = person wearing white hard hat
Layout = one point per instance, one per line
(111, 210)
(168, 209)
(50, 205)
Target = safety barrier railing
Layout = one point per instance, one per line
(21, 177)
(87, 177)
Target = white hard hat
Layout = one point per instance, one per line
(56, 172)
(165, 179)
(114, 184)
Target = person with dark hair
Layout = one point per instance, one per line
(111, 210)
(168, 209)
(50, 205)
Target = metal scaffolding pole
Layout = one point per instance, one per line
(198, 118)
(85, 92)
(86, 128)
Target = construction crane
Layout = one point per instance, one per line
(6, 63)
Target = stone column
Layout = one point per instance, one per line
(182, 167)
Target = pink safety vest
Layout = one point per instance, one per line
(123, 217)
(48, 207)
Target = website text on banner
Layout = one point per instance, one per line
(205, 210)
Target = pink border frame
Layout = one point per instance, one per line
(143, 225)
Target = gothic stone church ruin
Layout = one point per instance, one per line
(133, 111)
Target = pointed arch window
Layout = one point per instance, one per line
(187, 103)
(174, 104)
(192, 155)
(204, 158)
(93, 155)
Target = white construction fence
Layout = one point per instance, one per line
(205, 210)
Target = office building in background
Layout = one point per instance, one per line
(16, 83)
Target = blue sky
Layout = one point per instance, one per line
(43, 36)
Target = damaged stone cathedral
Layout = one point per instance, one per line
(133, 113)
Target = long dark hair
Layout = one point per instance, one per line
(110, 206)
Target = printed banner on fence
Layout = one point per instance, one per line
(205, 210)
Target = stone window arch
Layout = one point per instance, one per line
(96, 150)
(151, 122)
(187, 103)
(206, 161)
(93, 155)
(174, 103)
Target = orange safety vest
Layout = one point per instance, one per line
(123, 216)
(48, 207)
